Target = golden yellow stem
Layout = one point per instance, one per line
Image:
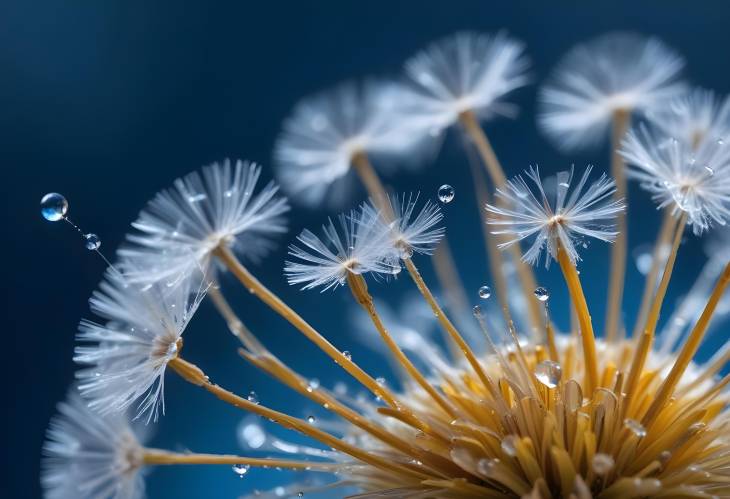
(196, 376)
(237, 328)
(225, 255)
(688, 350)
(154, 457)
(475, 132)
(617, 273)
(359, 289)
(373, 185)
(663, 239)
(584, 319)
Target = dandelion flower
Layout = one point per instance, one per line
(126, 356)
(182, 226)
(328, 132)
(359, 244)
(694, 181)
(466, 72)
(616, 72)
(576, 213)
(88, 456)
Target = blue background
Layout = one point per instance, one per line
(107, 102)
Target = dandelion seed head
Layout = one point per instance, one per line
(614, 72)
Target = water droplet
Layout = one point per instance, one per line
(240, 469)
(252, 397)
(485, 292)
(228, 193)
(720, 142)
(635, 427)
(487, 466)
(312, 385)
(196, 198)
(311, 419)
(709, 171)
(509, 445)
(300, 494)
(279, 491)
(477, 311)
(542, 294)
(54, 207)
(446, 193)
(380, 381)
(548, 372)
(92, 241)
(643, 262)
(564, 184)
(602, 463)
(346, 354)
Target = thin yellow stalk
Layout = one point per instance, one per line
(359, 289)
(688, 350)
(617, 273)
(225, 255)
(155, 457)
(373, 185)
(234, 323)
(584, 318)
(193, 374)
(663, 239)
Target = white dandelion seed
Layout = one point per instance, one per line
(314, 152)
(696, 181)
(577, 212)
(698, 117)
(179, 229)
(614, 72)
(361, 244)
(465, 72)
(125, 358)
(90, 456)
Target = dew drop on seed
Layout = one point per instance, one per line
(54, 207)
(635, 427)
(487, 466)
(542, 294)
(509, 445)
(240, 469)
(602, 463)
(252, 397)
(485, 292)
(92, 241)
(548, 372)
(446, 193)
(311, 419)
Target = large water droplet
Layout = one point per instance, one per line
(548, 372)
(54, 207)
(485, 292)
(635, 427)
(602, 463)
(241, 469)
(542, 294)
(92, 241)
(446, 193)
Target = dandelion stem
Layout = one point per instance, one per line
(617, 274)
(153, 457)
(584, 318)
(373, 185)
(663, 239)
(234, 323)
(471, 125)
(193, 374)
(359, 289)
(276, 304)
(688, 350)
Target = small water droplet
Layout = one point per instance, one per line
(196, 198)
(252, 397)
(346, 354)
(446, 193)
(720, 142)
(548, 372)
(311, 419)
(380, 381)
(509, 445)
(635, 427)
(300, 494)
(54, 207)
(542, 294)
(312, 385)
(564, 184)
(602, 463)
(228, 193)
(487, 466)
(92, 241)
(709, 171)
(485, 292)
(240, 469)
(477, 311)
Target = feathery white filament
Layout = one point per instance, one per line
(575, 213)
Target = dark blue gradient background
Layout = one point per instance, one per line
(107, 102)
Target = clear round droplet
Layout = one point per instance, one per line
(252, 397)
(542, 294)
(92, 241)
(548, 372)
(446, 193)
(241, 469)
(54, 207)
(477, 311)
(485, 292)
(602, 463)
(311, 419)
(509, 445)
(635, 427)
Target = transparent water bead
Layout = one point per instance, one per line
(509, 445)
(311, 419)
(485, 292)
(446, 193)
(54, 207)
(241, 469)
(602, 463)
(542, 294)
(252, 397)
(635, 427)
(548, 372)
(92, 241)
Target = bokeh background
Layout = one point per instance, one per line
(108, 102)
